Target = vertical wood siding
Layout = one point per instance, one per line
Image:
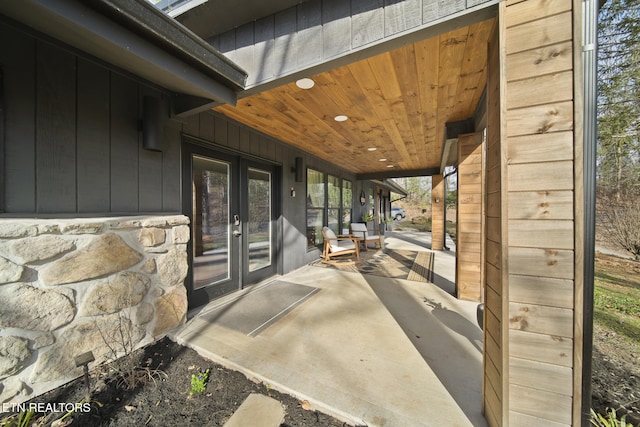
(540, 217)
(73, 143)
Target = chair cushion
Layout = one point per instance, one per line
(358, 226)
(341, 245)
(360, 230)
(329, 233)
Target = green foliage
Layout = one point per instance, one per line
(199, 382)
(452, 198)
(367, 217)
(617, 302)
(21, 419)
(610, 420)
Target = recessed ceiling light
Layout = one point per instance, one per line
(382, 160)
(340, 118)
(305, 83)
(372, 148)
(389, 166)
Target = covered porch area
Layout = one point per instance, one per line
(367, 349)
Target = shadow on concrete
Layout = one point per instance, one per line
(449, 342)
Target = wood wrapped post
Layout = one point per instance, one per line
(437, 212)
(470, 233)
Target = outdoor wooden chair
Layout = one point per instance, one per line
(339, 249)
(359, 230)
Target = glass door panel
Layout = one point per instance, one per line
(334, 202)
(211, 228)
(259, 229)
(315, 207)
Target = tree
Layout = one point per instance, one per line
(418, 191)
(619, 98)
(618, 162)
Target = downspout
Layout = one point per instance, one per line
(444, 200)
(590, 64)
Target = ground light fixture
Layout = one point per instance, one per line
(305, 83)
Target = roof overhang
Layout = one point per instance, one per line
(392, 186)
(136, 37)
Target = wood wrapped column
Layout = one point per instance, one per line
(469, 253)
(437, 213)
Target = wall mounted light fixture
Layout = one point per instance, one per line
(363, 198)
(298, 169)
(151, 124)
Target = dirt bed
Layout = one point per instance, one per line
(162, 398)
(616, 363)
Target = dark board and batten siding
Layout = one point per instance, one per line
(327, 33)
(73, 143)
(72, 136)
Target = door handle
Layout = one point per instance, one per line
(236, 223)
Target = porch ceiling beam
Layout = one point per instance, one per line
(453, 130)
(398, 174)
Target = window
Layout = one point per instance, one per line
(329, 202)
(334, 204)
(347, 203)
(315, 207)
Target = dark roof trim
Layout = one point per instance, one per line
(111, 30)
(152, 23)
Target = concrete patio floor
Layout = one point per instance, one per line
(368, 350)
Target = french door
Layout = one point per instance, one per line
(233, 221)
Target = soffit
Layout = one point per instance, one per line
(397, 102)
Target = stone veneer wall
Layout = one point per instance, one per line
(68, 286)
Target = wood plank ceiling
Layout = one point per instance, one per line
(397, 102)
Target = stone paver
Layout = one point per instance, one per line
(257, 410)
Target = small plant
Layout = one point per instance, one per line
(611, 420)
(199, 382)
(22, 419)
(367, 217)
